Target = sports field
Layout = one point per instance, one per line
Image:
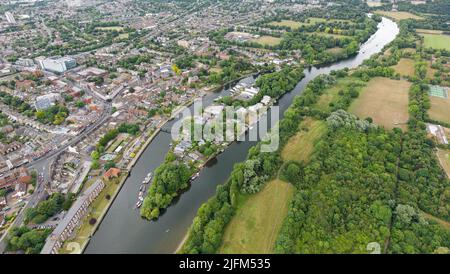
(267, 40)
(385, 101)
(301, 146)
(254, 228)
(405, 67)
(398, 15)
(436, 41)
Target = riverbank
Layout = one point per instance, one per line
(97, 210)
(165, 235)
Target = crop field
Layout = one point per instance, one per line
(255, 227)
(385, 101)
(399, 15)
(436, 41)
(267, 40)
(405, 67)
(301, 146)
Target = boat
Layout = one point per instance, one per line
(147, 178)
(138, 204)
(195, 176)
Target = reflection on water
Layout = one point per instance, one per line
(123, 231)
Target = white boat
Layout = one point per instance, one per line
(147, 178)
(138, 204)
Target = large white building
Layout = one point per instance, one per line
(58, 65)
(10, 18)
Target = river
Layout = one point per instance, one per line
(124, 231)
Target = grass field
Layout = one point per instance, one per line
(329, 34)
(258, 219)
(398, 15)
(385, 101)
(441, 222)
(375, 4)
(111, 28)
(331, 94)
(430, 71)
(287, 23)
(439, 109)
(301, 146)
(405, 67)
(444, 159)
(267, 40)
(428, 31)
(335, 51)
(436, 41)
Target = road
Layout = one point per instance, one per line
(42, 166)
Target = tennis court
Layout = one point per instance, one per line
(438, 91)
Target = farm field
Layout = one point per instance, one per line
(436, 41)
(405, 67)
(385, 101)
(444, 159)
(398, 15)
(439, 109)
(301, 146)
(254, 228)
(267, 40)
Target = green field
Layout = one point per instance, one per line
(267, 40)
(405, 67)
(255, 227)
(287, 23)
(436, 41)
(444, 160)
(385, 101)
(439, 109)
(300, 146)
(116, 28)
(399, 15)
(332, 94)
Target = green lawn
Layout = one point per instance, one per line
(267, 40)
(437, 41)
(255, 227)
(332, 94)
(300, 146)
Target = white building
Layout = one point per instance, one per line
(10, 18)
(58, 65)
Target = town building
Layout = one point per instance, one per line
(57, 65)
(72, 219)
